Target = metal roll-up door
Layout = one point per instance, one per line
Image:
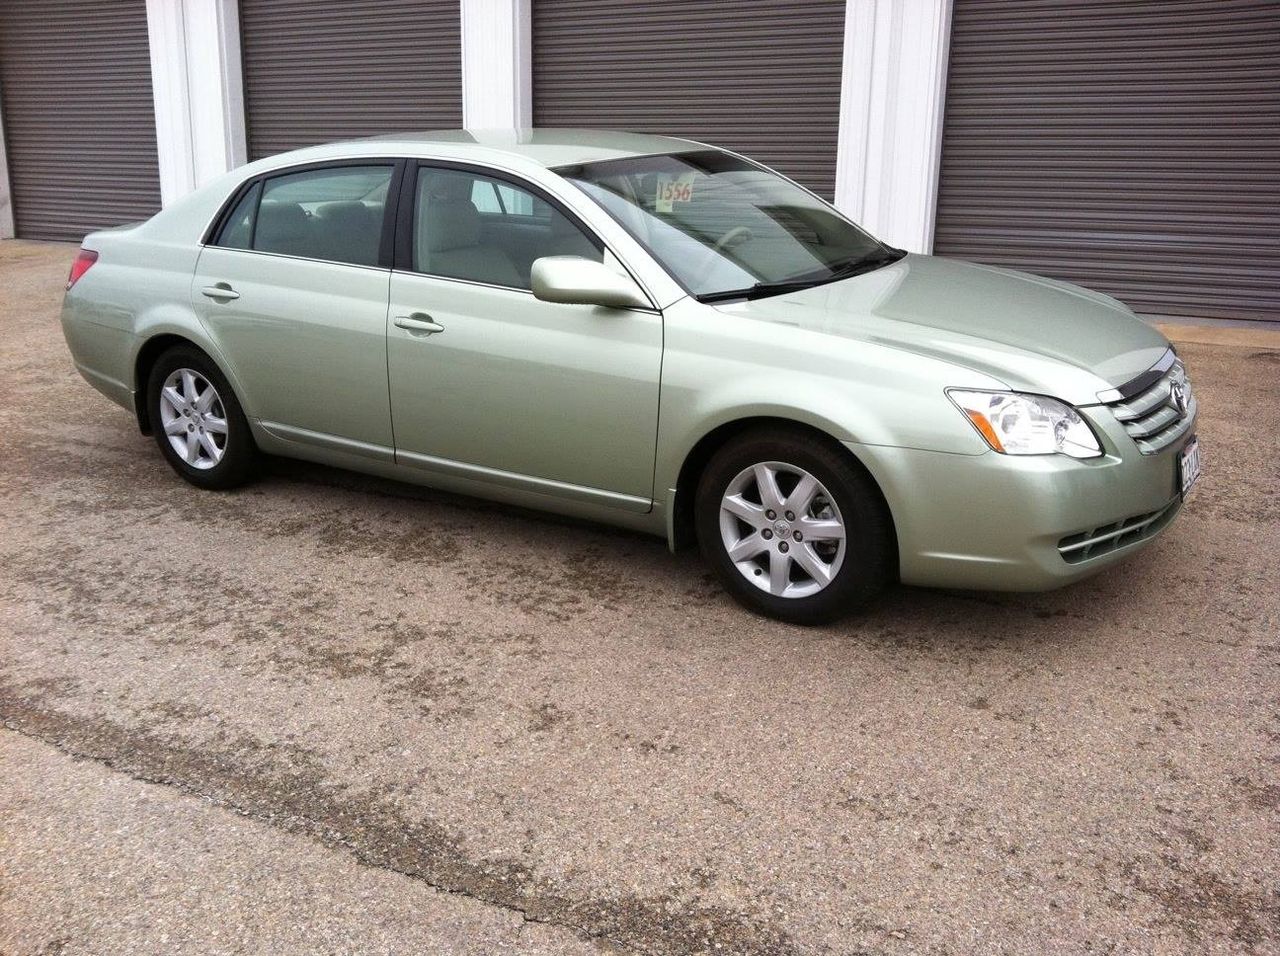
(317, 72)
(760, 78)
(79, 117)
(1133, 147)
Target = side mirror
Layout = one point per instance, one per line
(577, 281)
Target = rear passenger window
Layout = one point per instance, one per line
(334, 214)
(238, 231)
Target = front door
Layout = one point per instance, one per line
(294, 291)
(491, 383)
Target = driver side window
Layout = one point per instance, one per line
(482, 229)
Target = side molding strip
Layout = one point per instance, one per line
(350, 445)
(526, 483)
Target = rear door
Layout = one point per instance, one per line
(294, 291)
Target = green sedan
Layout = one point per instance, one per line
(648, 332)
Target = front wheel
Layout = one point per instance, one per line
(794, 528)
(197, 421)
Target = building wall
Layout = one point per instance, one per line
(1127, 146)
(80, 147)
(1035, 85)
(887, 111)
(766, 86)
(322, 72)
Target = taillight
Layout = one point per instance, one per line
(84, 260)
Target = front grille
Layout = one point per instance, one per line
(1149, 413)
(1080, 547)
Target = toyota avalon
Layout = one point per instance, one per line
(649, 332)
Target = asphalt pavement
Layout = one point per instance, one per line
(329, 713)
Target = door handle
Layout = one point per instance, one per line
(220, 291)
(418, 322)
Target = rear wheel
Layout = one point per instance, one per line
(197, 421)
(793, 527)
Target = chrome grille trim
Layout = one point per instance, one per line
(1148, 414)
(1148, 425)
(1140, 405)
(1084, 545)
(1139, 383)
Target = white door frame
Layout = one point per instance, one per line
(497, 67)
(7, 226)
(892, 100)
(198, 86)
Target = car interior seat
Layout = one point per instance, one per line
(351, 230)
(448, 241)
(283, 227)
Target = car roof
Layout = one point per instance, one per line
(523, 151)
(543, 147)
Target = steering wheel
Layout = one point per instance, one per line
(731, 238)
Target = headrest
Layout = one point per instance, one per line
(350, 214)
(281, 218)
(451, 224)
(451, 186)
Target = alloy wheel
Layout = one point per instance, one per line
(193, 418)
(782, 529)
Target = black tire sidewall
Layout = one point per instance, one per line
(238, 460)
(867, 563)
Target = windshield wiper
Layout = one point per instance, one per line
(854, 267)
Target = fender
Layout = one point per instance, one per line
(851, 395)
(171, 318)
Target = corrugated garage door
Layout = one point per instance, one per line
(316, 72)
(1129, 146)
(763, 79)
(79, 118)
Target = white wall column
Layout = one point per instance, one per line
(6, 193)
(199, 92)
(891, 105)
(497, 64)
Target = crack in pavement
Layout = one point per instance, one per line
(95, 860)
(247, 779)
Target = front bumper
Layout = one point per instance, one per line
(996, 522)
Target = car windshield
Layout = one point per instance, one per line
(725, 227)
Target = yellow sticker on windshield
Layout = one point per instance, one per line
(673, 189)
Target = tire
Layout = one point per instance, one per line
(222, 459)
(848, 572)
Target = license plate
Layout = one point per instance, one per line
(1189, 465)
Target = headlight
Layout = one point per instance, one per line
(1015, 424)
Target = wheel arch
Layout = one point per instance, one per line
(681, 522)
(148, 353)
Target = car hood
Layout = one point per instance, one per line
(1031, 333)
